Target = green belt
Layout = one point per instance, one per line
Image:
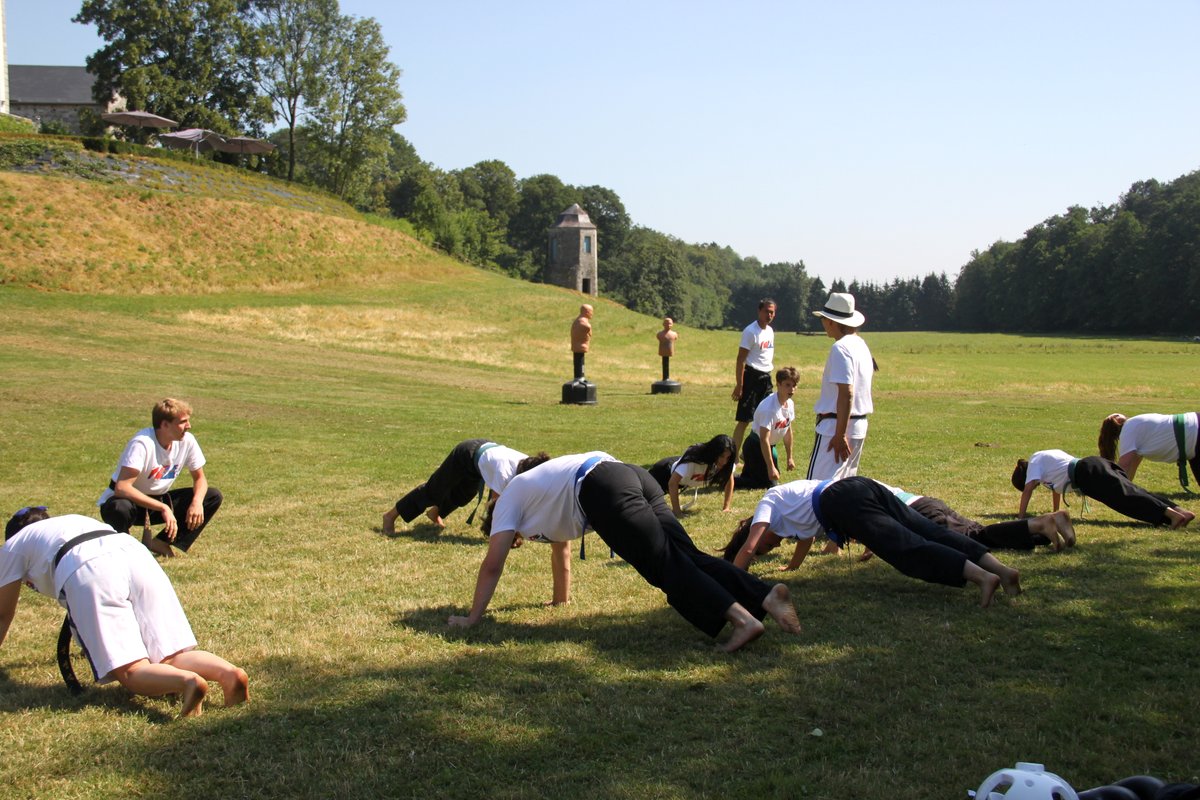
(1179, 423)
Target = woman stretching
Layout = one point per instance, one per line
(557, 500)
(710, 463)
(1097, 478)
(1155, 437)
(863, 509)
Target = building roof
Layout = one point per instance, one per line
(574, 217)
(57, 85)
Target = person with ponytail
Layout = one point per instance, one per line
(1165, 438)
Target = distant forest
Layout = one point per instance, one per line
(327, 79)
(1132, 267)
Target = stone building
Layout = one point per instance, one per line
(53, 94)
(572, 256)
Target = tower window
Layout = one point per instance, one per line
(587, 244)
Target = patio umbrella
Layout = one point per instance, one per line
(141, 119)
(198, 140)
(244, 145)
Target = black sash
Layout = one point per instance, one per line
(64, 634)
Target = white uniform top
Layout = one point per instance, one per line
(760, 342)
(542, 504)
(787, 510)
(849, 362)
(1051, 467)
(691, 473)
(157, 468)
(497, 465)
(776, 418)
(29, 554)
(1152, 436)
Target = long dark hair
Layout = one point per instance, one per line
(1110, 433)
(730, 551)
(1018, 476)
(524, 465)
(708, 453)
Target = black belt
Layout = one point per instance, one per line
(833, 415)
(64, 635)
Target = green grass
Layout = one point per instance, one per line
(313, 428)
(333, 361)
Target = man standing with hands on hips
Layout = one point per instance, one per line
(845, 399)
(752, 374)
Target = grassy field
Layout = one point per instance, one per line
(317, 407)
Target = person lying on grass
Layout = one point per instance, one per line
(1097, 478)
(862, 509)
(470, 467)
(122, 607)
(708, 463)
(556, 500)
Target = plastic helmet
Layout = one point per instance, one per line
(1028, 781)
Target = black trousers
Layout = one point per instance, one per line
(860, 508)
(756, 385)
(754, 469)
(1014, 535)
(661, 471)
(450, 487)
(123, 514)
(625, 506)
(577, 360)
(1105, 482)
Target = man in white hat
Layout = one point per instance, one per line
(845, 399)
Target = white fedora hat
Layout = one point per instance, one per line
(840, 308)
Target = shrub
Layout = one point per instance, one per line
(11, 124)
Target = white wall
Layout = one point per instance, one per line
(3, 62)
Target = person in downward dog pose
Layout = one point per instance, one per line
(1097, 478)
(557, 499)
(866, 510)
(471, 467)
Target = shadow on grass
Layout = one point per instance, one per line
(582, 702)
(428, 532)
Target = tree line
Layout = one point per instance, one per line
(322, 83)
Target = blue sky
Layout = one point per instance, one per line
(869, 140)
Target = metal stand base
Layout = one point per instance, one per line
(666, 387)
(581, 393)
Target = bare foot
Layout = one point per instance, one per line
(1010, 579)
(193, 698)
(1062, 522)
(389, 522)
(744, 632)
(867, 555)
(988, 584)
(778, 603)
(831, 549)
(238, 689)
(1179, 518)
(435, 517)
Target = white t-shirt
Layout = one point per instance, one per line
(691, 474)
(760, 342)
(849, 362)
(29, 554)
(1152, 436)
(542, 504)
(776, 418)
(157, 468)
(787, 510)
(497, 465)
(1051, 467)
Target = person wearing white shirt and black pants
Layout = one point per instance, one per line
(557, 500)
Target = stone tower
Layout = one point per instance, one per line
(571, 259)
